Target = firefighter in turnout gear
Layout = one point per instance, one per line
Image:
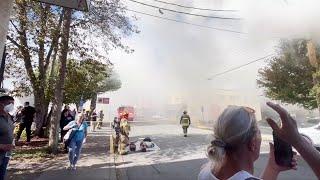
(185, 122)
(124, 134)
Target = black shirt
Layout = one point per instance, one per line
(65, 120)
(28, 114)
(94, 117)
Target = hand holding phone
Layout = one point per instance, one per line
(282, 151)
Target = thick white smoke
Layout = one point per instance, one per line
(172, 61)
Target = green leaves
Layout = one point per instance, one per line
(34, 37)
(87, 78)
(289, 76)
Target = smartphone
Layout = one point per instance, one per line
(282, 151)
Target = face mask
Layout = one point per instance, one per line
(9, 107)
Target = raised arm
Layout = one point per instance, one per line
(289, 132)
(69, 126)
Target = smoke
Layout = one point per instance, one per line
(173, 61)
(282, 19)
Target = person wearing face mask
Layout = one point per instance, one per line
(27, 119)
(6, 133)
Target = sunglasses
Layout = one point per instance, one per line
(249, 110)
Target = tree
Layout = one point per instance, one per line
(289, 75)
(33, 33)
(87, 78)
(36, 37)
(112, 83)
(58, 93)
(315, 62)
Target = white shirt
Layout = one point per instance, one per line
(206, 174)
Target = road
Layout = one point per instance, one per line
(180, 157)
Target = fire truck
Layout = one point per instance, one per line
(126, 109)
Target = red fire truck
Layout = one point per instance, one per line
(126, 109)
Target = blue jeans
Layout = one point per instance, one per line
(3, 167)
(74, 151)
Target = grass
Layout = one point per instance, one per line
(32, 153)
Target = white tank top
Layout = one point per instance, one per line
(206, 174)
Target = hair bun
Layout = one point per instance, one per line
(219, 143)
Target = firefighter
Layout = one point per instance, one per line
(116, 127)
(185, 122)
(124, 134)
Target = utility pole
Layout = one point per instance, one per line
(202, 113)
(2, 67)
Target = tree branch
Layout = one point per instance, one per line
(24, 44)
(19, 32)
(41, 37)
(14, 42)
(55, 40)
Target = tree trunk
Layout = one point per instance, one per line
(93, 103)
(2, 66)
(41, 110)
(58, 100)
(77, 107)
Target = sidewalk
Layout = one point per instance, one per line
(95, 162)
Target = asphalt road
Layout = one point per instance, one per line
(180, 157)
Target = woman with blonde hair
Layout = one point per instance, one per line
(236, 146)
(77, 136)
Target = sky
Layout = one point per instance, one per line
(174, 60)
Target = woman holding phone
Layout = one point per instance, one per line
(236, 146)
(77, 138)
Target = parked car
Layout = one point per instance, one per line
(313, 133)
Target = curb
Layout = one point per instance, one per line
(265, 137)
(121, 172)
(111, 145)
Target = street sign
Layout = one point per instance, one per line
(103, 100)
(81, 5)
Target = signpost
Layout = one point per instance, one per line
(103, 100)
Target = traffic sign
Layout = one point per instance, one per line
(103, 100)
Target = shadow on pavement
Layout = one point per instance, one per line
(94, 163)
(189, 170)
(174, 147)
(171, 161)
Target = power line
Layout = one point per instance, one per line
(197, 8)
(238, 67)
(181, 12)
(184, 22)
